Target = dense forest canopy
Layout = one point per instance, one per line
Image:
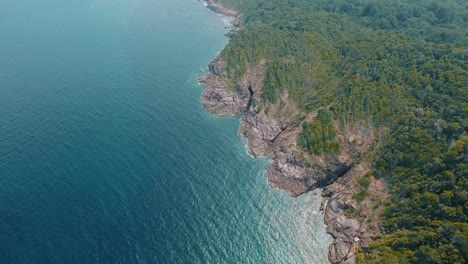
(402, 65)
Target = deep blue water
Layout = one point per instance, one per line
(106, 155)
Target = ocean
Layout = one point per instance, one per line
(106, 155)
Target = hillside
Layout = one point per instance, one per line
(368, 99)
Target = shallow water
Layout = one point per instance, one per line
(107, 156)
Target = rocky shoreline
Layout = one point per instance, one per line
(236, 22)
(270, 132)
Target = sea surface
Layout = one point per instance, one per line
(106, 155)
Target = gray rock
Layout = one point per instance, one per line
(220, 101)
(338, 251)
(274, 135)
(259, 130)
(217, 67)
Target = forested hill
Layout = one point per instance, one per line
(399, 65)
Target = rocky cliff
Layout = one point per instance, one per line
(273, 130)
(236, 22)
(352, 224)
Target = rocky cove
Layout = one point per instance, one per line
(273, 129)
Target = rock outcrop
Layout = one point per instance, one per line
(341, 210)
(273, 133)
(273, 129)
(236, 23)
(221, 9)
(219, 100)
(343, 229)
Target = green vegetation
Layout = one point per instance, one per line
(365, 181)
(403, 66)
(319, 137)
(360, 196)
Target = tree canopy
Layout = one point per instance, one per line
(402, 65)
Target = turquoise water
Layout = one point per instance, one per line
(106, 155)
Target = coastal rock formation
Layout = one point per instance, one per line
(236, 23)
(343, 230)
(273, 133)
(220, 101)
(277, 136)
(341, 210)
(273, 129)
(221, 9)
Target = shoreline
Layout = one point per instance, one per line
(272, 136)
(234, 18)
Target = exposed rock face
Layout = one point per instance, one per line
(343, 230)
(339, 207)
(236, 24)
(276, 135)
(259, 129)
(221, 9)
(273, 133)
(267, 135)
(221, 101)
(217, 67)
(273, 130)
